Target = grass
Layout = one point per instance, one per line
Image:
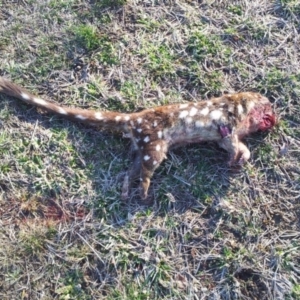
(212, 232)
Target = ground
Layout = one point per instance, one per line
(211, 232)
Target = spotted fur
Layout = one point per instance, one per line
(225, 120)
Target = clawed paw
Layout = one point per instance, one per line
(240, 160)
(124, 196)
(143, 195)
(125, 189)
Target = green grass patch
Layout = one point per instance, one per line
(72, 286)
(202, 47)
(159, 59)
(90, 38)
(87, 36)
(236, 9)
(111, 3)
(291, 6)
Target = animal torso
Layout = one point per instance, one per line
(225, 120)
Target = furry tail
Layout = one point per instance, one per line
(108, 120)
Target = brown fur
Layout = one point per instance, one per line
(225, 120)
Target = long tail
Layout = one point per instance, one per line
(108, 120)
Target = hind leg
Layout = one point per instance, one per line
(132, 175)
(152, 157)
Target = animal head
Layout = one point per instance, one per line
(260, 115)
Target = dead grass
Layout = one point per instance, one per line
(212, 233)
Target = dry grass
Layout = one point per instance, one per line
(211, 233)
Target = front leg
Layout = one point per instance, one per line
(238, 151)
(244, 153)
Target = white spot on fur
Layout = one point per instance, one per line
(209, 103)
(40, 101)
(25, 96)
(183, 114)
(250, 105)
(80, 117)
(159, 134)
(204, 111)
(154, 124)
(98, 116)
(199, 123)
(146, 139)
(189, 120)
(215, 114)
(158, 147)
(240, 109)
(139, 120)
(230, 108)
(193, 111)
(154, 162)
(139, 130)
(62, 111)
(182, 106)
(127, 118)
(146, 157)
(118, 118)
